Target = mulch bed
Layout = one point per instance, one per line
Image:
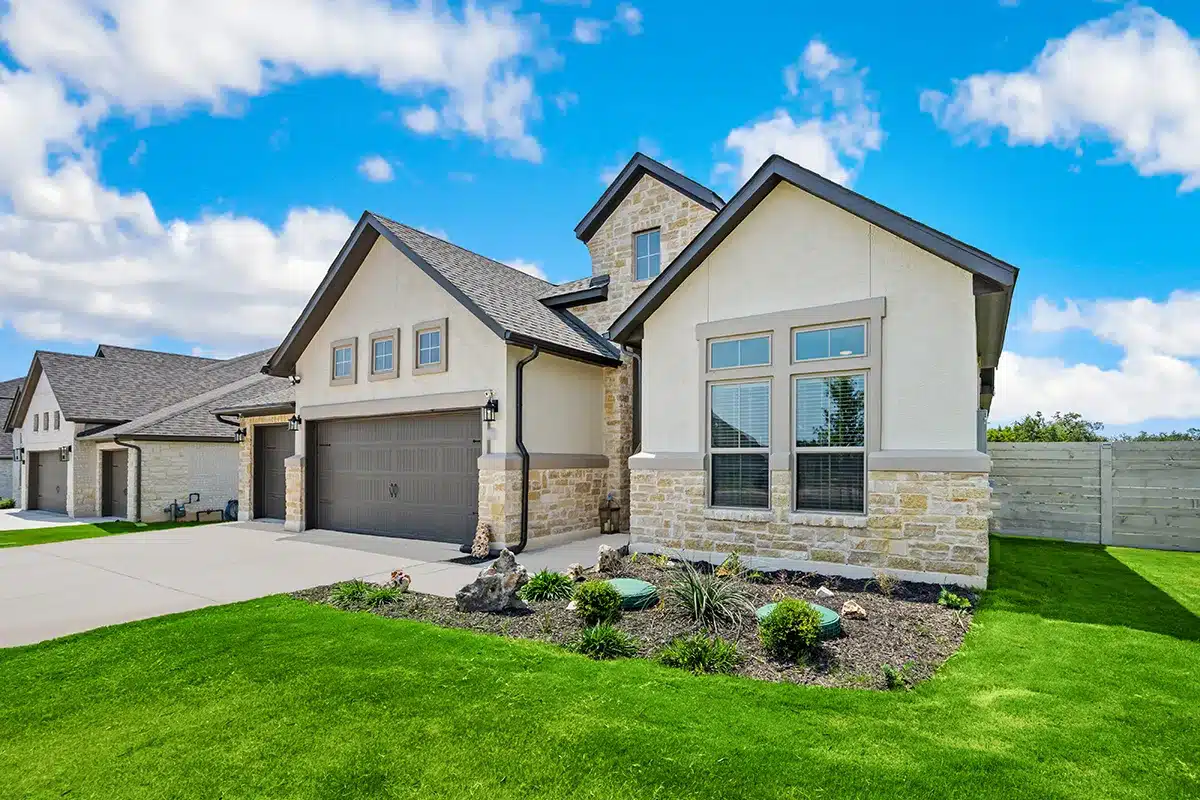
(904, 629)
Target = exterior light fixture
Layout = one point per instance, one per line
(490, 408)
(239, 435)
(64, 453)
(295, 379)
(610, 516)
(294, 423)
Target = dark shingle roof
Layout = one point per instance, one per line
(153, 357)
(8, 392)
(508, 296)
(275, 393)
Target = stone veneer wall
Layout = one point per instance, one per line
(246, 462)
(293, 476)
(83, 500)
(172, 470)
(561, 502)
(926, 526)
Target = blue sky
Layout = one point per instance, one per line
(188, 198)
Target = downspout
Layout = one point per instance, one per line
(138, 483)
(520, 412)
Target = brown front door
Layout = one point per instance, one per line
(48, 481)
(272, 444)
(114, 488)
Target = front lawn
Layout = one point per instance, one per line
(65, 533)
(1078, 679)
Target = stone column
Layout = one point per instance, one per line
(294, 477)
(618, 434)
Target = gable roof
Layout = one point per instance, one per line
(641, 164)
(8, 393)
(991, 275)
(153, 357)
(503, 298)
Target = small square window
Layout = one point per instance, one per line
(429, 348)
(384, 355)
(648, 255)
(342, 355)
(343, 360)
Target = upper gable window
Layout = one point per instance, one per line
(429, 346)
(384, 354)
(342, 361)
(648, 255)
(57, 420)
(45, 420)
(843, 341)
(37, 418)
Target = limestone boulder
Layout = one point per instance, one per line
(496, 587)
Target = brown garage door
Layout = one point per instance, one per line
(415, 476)
(48, 481)
(272, 444)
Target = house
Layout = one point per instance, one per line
(799, 375)
(8, 393)
(130, 433)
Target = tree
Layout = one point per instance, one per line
(1069, 427)
(1190, 435)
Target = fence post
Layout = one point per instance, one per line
(1106, 493)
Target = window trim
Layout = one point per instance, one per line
(352, 378)
(439, 325)
(646, 231)
(392, 335)
(828, 449)
(768, 335)
(710, 451)
(864, 324)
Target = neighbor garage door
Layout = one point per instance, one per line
(414, 476)
(48, 481)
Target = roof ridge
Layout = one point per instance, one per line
(166, 412)
(149, 350)
(489, 259)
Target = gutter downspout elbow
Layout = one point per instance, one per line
(520, 438)
(138, 482)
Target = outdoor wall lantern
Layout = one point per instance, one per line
(490, 408)
(64, 453)
(239, 435)
(610, 515)
(294, 423)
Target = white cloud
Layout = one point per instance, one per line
(630, 18)
(135, 158)
(528, 267)
(376, 169)
(1132, 79)
(422, 120)
(564, 100)
(838, 129)
(1157, 377)
(437, 233)
(588, 30)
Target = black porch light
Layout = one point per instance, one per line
(64, 453)
(239, 435)
(294, 423)
(490, 408)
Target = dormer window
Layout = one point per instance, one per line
(648, 255)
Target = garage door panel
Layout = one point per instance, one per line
(414, 476)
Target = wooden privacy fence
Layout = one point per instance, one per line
(1131, 494)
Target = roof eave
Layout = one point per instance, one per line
(521, 340)
(256, 411)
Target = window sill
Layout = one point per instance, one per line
(818, 519)
(740, 514)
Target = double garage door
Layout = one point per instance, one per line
(415, 476)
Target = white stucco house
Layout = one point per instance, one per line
(129, 433)
(799, 375)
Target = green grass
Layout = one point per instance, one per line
(1079, 679)
(65, 533)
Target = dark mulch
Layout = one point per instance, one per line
(905, 628)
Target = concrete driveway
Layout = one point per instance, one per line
(14, 520)
(51, 590)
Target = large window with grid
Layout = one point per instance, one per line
(739, 444)
(830, 416)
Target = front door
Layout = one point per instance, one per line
(115, 483)
(273, 445)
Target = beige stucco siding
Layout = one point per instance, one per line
(389, 291)
(564, 404)
(795, 251)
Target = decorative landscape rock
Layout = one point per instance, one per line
(635, 594)
(399, 580)
(482, 541)
(575, 572)
(852, 610)
(496, 587)
(607, 559)
(824, 593)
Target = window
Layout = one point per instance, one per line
(384, 354)
(57, 420)
(648, 255)
(831, 443)
(36, 418)
(45, 420)
(429, 346)
(754, 351)
(342, 362)
(739, 442)
(841, 342)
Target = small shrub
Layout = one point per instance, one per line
(886, 583)
(660, 560)
(897, 678)
(377, 596)
(731, 567)
(949, 599)
(790, 630)
(547, 585)
(708, 599)
(603, 642)
(596, 602)
(754, 576)
(700, 654)
(349, 592)
(7, 503)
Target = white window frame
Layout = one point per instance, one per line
(711, 451)
(391, 335)
(828, 328)
(343, 344)
(440, 327)
(797, 450)
(637, 276)
(748, 337)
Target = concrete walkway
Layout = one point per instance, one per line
(14, 520)
(56, 589)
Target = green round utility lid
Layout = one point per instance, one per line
(831, 621)
(635, 594)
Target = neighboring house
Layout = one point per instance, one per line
(128, 433)
(8, 478)
(800, 376)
